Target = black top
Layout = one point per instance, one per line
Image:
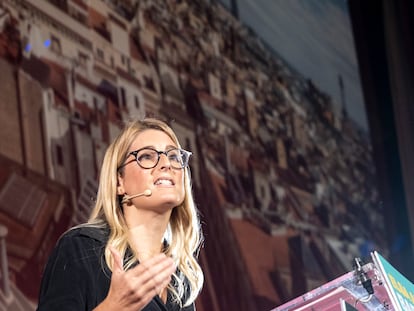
(76, 276)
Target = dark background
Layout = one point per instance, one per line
(384, 41)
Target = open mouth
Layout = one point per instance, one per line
(164, 181)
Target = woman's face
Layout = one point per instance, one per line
(165, 182)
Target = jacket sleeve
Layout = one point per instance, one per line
(65, 279)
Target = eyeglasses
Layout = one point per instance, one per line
(148, 157)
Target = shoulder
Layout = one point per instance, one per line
(81, 242)
(97, 234)
(76, 274)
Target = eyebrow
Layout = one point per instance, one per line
(168, 147)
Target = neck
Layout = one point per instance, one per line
(146, 230)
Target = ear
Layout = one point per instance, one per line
(120, 190)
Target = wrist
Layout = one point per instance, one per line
(103, 306)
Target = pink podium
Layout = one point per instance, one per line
(372, 286)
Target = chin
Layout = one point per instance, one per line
(171, 201)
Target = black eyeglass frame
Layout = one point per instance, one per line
(159, 153)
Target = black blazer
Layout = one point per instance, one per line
(76, 277)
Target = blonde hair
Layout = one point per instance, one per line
(184, 226)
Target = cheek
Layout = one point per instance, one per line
(134, 178)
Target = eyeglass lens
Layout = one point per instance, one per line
(148, 158)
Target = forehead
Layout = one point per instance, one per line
(152, 138)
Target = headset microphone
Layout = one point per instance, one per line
(128, 198)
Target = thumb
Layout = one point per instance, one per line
(118, 262)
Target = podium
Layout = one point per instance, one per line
(373, 286)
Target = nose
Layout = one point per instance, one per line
(164, 162)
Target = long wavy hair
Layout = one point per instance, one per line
(183, 235)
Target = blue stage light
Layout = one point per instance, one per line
(28, 47)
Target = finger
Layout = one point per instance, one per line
(118, 262)
(148, 291)
(151, 279)
(149, 263)
(162, 281)
(158, 260)
(147, 270)
(158, 277)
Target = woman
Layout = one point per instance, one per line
(137, 251)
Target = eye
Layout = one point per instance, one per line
(174, 155)
(146, 155)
